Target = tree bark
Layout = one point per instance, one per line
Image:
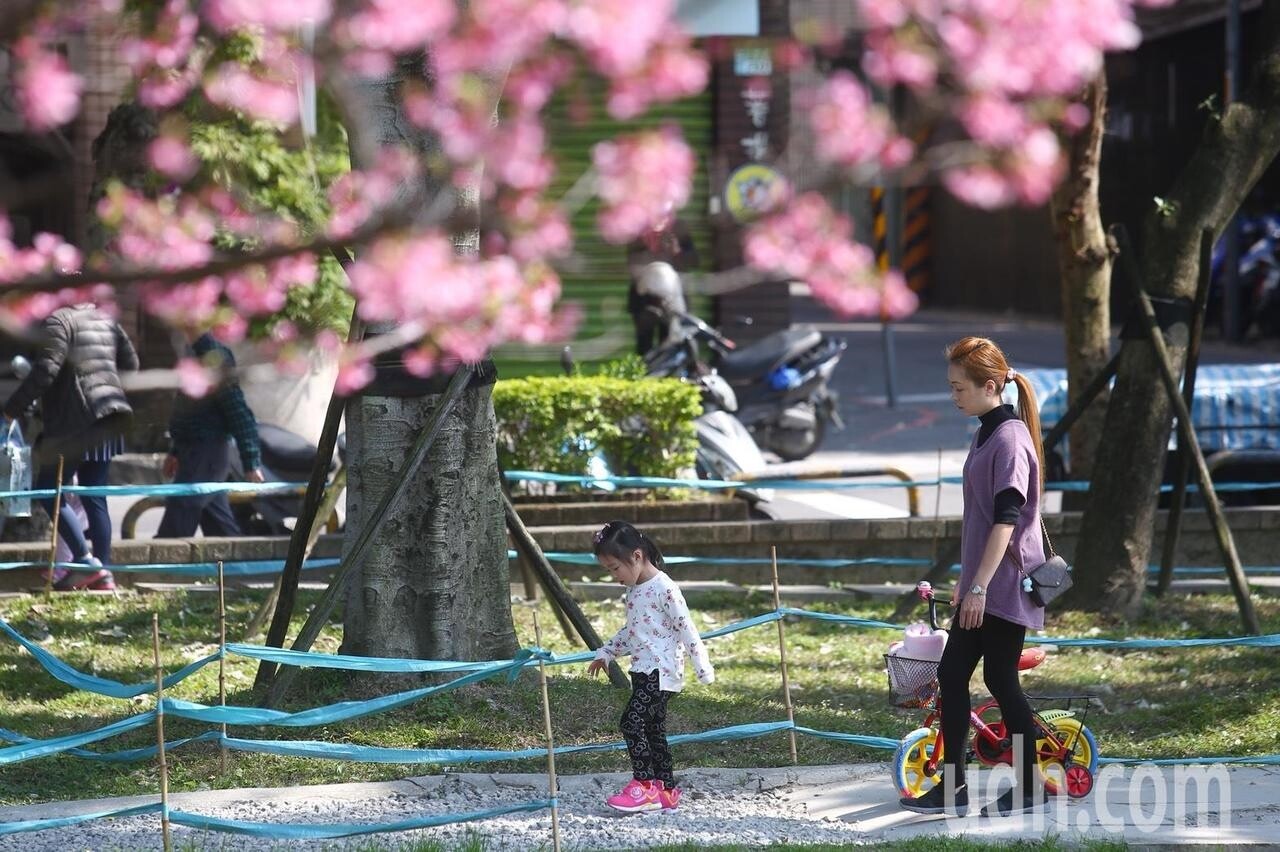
(434, 583)
(1084, 260)
(1116, 531)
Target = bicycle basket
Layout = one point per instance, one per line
(912, 682)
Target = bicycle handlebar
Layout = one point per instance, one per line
(925, 590)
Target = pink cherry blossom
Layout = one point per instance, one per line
(393, 26)
(227, 15)
(271, 99)
(641, 179)
(352, 376)
(194, 379)
(359, 195)
(811, 242)
(171, 157)
(48, 92)
(851, 131)
(616, 35)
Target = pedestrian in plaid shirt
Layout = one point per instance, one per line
(200, 430)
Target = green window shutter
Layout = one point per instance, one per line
(596, 276)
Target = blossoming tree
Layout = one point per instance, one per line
(455, 237)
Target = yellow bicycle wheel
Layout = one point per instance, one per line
(909, 762)
(1079, 739)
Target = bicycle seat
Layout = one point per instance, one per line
(1030, 658)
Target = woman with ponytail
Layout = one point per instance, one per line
(1003, 479)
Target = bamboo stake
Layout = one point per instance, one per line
(222, 665)
(782, 655)
(53, 534)
(164, 766)
(551, 749)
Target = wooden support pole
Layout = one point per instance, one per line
(1182, 468)
(1231, 560)
(782, 657)
(337, 586)
(558, 594)
(222, 664)
(308, 517)
(1082, 402)
(327, 507)
(164, 766)
(53, 533)
(553, 786)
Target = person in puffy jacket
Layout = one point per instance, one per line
(76, 377)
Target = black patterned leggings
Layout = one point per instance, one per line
(644, 725)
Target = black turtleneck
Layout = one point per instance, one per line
(1008, 503)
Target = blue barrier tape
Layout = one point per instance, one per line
(313, 659)
(1219, 487)
(754, 621)
(92, 683)
(168, 489)
(590, 559)
(831, 484)
(853, 620)
(127, 756)
(453, 756)
(706, 484)
(42, 748)
(854, 739)
(248, 568)
(1270, 640)
(334, 831)
(342, 710)
(64, 822)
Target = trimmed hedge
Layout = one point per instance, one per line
(642, 427)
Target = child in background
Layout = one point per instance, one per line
(657, 634)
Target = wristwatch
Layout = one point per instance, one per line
(978, 590)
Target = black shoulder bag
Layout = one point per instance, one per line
(1048, 580)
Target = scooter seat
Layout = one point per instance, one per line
(763, 355)
(284, 451)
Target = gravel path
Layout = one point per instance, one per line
(751, 807)
(720, 806)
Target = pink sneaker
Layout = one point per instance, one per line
(668, 797)
(637, 796)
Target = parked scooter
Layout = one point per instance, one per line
(286, 457)
(1259, 276)
(781, 382)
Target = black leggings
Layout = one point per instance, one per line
(998, 643)
(644, 726)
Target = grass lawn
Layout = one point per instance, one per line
(1169, 703)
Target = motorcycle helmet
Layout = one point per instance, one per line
(660, 282)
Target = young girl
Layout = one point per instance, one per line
(1000, 535)
(657, 634)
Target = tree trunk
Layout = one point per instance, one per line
(1084, 261)
(434, 584)
(1116, 532)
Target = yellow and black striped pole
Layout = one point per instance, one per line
(917, 248)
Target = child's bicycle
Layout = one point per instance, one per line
(1066, 750)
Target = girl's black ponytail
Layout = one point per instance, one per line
(620, 539)
(651, 551)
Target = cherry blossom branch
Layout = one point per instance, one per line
(392, 220)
